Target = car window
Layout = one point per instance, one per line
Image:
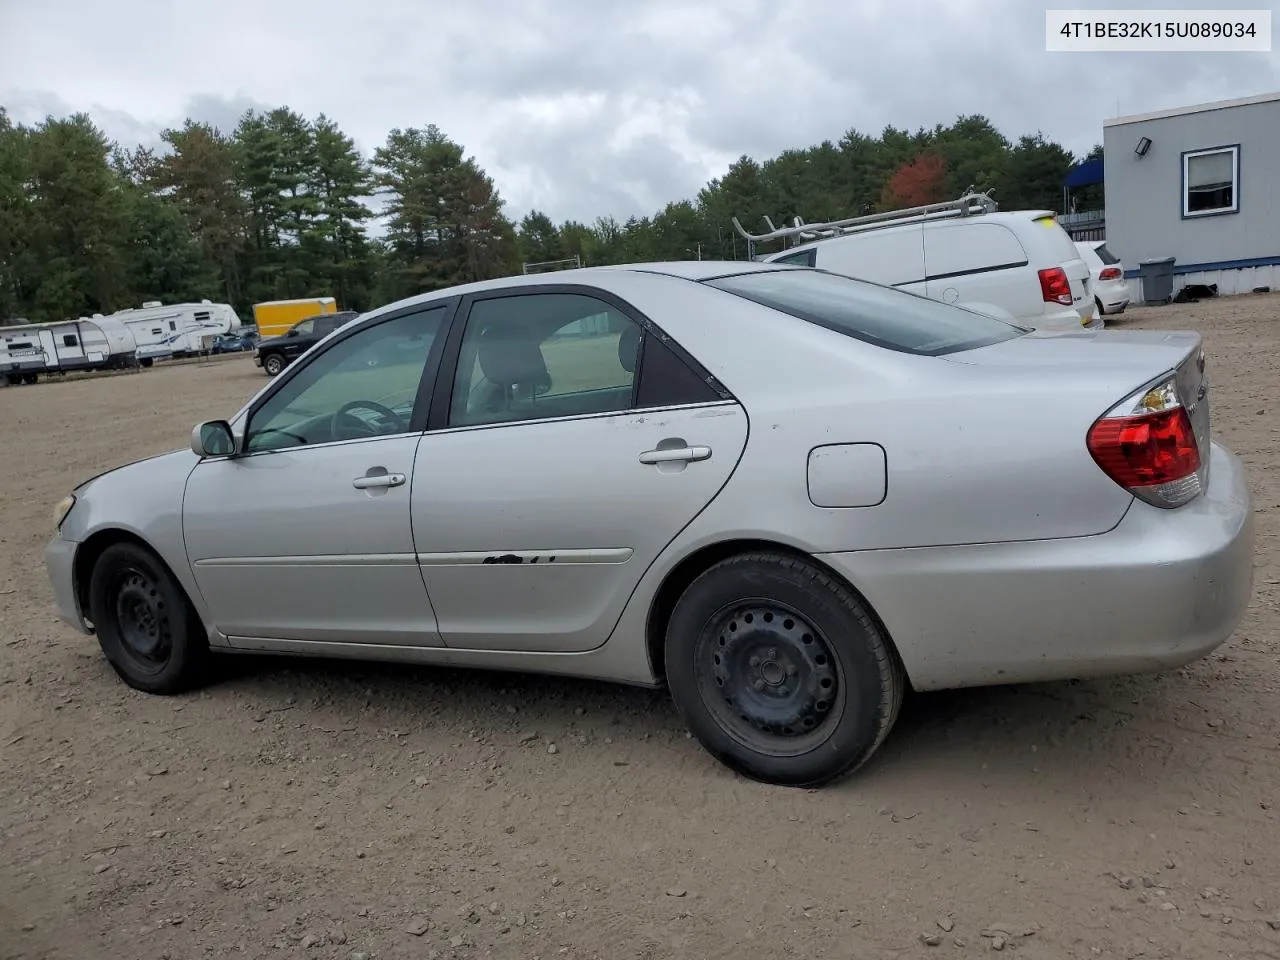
(802, 259)
(364, 385)
(1105, 255)
(894, 319)
(538, 355)
(304, 327)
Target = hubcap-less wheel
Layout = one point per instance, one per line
(769, 678)
(273, 365)
(145, 624)
(780, 670)
(143, 621)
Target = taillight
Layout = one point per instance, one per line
(1109, 273)
(1055, 287)
(1147, 444)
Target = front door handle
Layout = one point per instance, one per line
(676, 455)
(379, 480)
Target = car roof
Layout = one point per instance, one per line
(996, 216)
(681, 269)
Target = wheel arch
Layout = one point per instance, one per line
(703, 559)
(92, 548)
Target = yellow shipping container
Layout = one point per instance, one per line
(275, 317)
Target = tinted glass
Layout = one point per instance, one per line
(533, 356)
(1105, 255)
(888, 318)
(802, 259)
(362, 386)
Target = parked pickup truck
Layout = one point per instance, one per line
(276, 353)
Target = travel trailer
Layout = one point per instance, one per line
(90, 343)
(176, 329)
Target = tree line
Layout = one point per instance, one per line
(282, 206)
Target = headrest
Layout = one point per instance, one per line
(510, 354)
(629, 347)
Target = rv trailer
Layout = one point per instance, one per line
(90, 343)
(176, 329)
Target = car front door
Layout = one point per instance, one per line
(305, 534)
(298, 339)
(570, 443)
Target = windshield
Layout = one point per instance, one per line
(889, 318)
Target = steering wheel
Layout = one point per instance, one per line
(343, 415)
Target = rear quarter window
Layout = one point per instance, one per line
(802, 258)
(883, 316)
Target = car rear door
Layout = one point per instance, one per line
(569, 445)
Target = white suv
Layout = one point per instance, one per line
(1022, 262)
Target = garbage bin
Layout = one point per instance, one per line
(1157, 279)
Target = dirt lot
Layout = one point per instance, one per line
(322, 810)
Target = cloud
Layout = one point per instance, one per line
(586, 108)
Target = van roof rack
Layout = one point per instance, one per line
(970, 203)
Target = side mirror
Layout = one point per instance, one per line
(213, 438)
(292, 333)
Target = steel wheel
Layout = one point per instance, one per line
(144, 622)
(780, 670)
(770, 678)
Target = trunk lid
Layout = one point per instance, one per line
(1119, 362)
(1147, 353)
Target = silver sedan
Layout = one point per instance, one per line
(788, 496)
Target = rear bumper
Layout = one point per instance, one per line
(59, 562)
(1164, 588)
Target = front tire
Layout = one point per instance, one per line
(145, 625)
(272, 364)
(780, 671)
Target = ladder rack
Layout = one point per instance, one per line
(969, 204)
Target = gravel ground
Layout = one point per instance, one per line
(301, 808)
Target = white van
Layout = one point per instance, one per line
(1022, 262)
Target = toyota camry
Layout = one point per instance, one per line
(785, 495)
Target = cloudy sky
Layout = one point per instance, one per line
(590, 107)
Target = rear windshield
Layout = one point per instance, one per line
(1105, 255)
(883, 316)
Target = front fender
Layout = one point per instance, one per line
(144, 501)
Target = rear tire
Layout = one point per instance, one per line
(146, 627)
(147, 361)
(272, 364)
(780, 670)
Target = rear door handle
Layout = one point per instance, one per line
(676, 455)
(381, 480)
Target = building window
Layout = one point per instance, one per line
(1211, 181)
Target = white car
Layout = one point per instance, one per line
(1110, 289)
(1022, 262)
